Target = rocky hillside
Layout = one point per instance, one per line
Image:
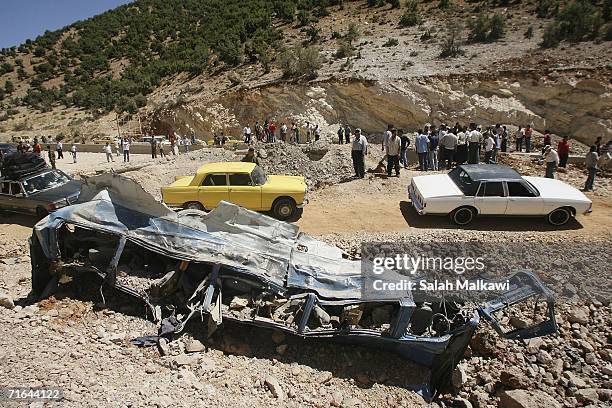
(207, 68)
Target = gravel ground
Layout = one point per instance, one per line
(74, 342)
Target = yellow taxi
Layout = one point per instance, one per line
(241, 183)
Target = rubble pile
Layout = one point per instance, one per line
(321, 163)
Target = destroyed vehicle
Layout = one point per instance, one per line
(238, 265)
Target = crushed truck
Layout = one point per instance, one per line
(237, 265)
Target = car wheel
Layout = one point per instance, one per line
(41, 213)
(193, 205)
(559, 217)
(284, 208)
(463, 215)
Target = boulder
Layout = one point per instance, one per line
(527, 399)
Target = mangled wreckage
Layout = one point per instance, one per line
(238, 265)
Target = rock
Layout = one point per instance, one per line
(163, 347)
(514, 378)
(325, 377)
(185, 359)
(556, 368)
(194, 346)
(459, 377)
(574, 380)
(321, 315)
(6, 301)
(590, 358)
(337, 399)
(351, 402)
(544, 358)
(587, 395)
(479, 399)
(579, 315)
(274, 387)
(150, 369)
(462, 403)
(607, 370)
(239, 302)
(533, 345)
(527, 399)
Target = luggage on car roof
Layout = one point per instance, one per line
(17, 165)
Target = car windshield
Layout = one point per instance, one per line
(258, 176)
(463, 181)
(44, 181)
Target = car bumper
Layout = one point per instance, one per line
(415, 202)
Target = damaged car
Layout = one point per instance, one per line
(238, 265)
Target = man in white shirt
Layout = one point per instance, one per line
(386, 137)
(109, 152)
(489, 147)
(394, 146)
(126, 150)
(474, 140)
(60, 150)
(552, 160)
(448, 147)
(359, 149)
(247, 134)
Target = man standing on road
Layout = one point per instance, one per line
(386, 137)
(489, 143)
(448, 147)
(528, 133)
(247, 134)
(474, 138)
(564, 149)
(60, 150)
(591, 160)
(520, 133)
(347, 134)
(73, 150)
(394, 146)
(117, 147)
(153, 148)
(462, 147)
(552, 159)
(126, 150)
(359, 149)
(405, 139)
(434, 140)
(421, 144)
(340, 135)
(283, 132)
(51, 156)
(109, 153)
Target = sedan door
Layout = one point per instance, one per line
(491, 198)
(6, 199)
(244, 192)
(522, 199)
(213, 190)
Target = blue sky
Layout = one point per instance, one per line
(23, 19)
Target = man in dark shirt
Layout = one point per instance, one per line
(405, 142)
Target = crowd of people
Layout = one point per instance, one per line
(445, 146)
(436, 147)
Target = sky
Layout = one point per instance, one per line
(23, 19)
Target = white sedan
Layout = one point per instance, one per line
(491, 189)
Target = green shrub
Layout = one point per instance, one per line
(444, 4)
(314, 33)
(411, 16)
(487, 29)
(344, 51)
(451, 45)
(391, 42)
(529, 32)
(576, 21)
(300, 62)
(394, 3)
(547, 8)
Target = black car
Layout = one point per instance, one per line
(39, 193)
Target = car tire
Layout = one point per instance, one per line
(193, 205)
(463, 215)
(559, 217)
(284, 209)
(41, 213)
